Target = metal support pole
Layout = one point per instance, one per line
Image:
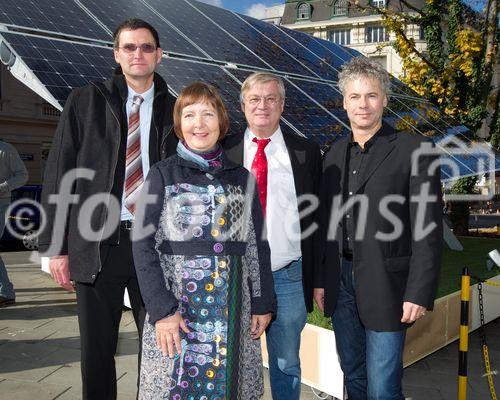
(464, 335)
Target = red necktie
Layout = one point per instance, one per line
(133, 160)
(259, 169)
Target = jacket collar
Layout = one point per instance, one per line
(116, 90)
(297, 154)
(233, 148)
(385, 135)
(380, 151)
(118, 85)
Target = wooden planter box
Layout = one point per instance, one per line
(318, 359)
(441, 327)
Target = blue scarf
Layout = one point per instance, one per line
(211, 159)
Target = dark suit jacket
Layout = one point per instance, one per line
(386, 272)
(305, 158)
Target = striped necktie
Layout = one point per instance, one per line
(134, 177)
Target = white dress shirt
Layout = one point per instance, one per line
(282, 214)
(145, 113)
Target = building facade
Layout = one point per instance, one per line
(27, 122)
(349, 25)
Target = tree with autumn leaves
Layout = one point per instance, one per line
(457, 71)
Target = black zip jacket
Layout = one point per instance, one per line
(91, 138)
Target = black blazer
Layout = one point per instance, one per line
(305, 157)
(387, 272)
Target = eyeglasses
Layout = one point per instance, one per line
(145, 47)
(269, 101)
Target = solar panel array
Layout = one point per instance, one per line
(67, 43)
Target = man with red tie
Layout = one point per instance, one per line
(287, 168)
(109, 133)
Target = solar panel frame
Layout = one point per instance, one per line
(307, 58)
(308, 42)
(263, 47)
(205, 33)
(308, 65)
(69, 18)
(42, 56)
(112, 12)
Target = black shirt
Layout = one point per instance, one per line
(355, 162)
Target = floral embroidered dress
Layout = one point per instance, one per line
(204, 256)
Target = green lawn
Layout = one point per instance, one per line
(474, 257)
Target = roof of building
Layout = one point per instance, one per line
(322, 10)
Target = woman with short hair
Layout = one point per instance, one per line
(202, 264)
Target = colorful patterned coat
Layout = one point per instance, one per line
(206, 258)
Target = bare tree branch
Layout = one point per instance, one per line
(386, 13)
(411, 7)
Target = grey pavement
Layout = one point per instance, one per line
(39, 348)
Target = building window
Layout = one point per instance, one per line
(48, 110)
(375, 34)
(304, 11)
(340, 36)
(378, 3)
(421, 32)
(340, 7)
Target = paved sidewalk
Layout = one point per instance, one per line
(39, 341)
(39, 348)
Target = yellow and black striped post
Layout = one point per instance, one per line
(464, 335)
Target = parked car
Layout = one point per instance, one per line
(24, 217)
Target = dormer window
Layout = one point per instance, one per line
(340, 7)
(304, 11)
(378, 3)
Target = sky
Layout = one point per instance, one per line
(254, 8)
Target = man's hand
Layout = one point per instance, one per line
(59, 270)
(319, 298)
(167, 334)
(412, 312)
(259, 325)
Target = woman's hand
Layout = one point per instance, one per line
(167, 334)
(259, 325)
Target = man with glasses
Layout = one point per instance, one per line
(116, 129)
(286, 167)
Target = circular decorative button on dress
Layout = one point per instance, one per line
(218, 247)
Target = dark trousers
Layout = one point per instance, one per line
(100, 307)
